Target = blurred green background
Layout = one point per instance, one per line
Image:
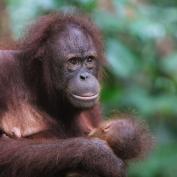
(141, 73)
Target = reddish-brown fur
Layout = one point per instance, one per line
(40, 134)
(127, 137)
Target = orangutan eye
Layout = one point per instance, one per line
(90, 62)
(73, 63)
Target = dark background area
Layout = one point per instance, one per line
(141, 73)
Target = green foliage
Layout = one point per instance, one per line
(162, 163)
(141, 75)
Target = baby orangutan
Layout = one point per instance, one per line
(128, 138)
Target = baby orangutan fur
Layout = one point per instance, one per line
(127, 137)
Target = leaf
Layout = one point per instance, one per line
(120, 59)
(146, 29)
(169, 64)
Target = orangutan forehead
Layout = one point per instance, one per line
(75, 40)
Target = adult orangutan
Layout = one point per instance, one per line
(49, 110)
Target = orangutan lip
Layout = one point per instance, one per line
(85, 98)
